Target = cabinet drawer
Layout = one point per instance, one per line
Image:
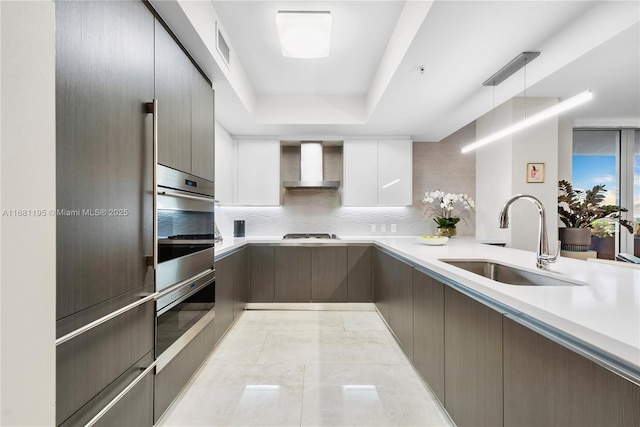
(172, 378)
(90, 362)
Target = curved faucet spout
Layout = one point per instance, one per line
(543, 258)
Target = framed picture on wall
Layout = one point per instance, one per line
(535, 172)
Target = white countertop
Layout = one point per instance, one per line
(604, 314)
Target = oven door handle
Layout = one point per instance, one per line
(184, 282)
(187, 196)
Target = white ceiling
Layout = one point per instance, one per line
(583, 45)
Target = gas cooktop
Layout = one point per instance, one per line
(310, 236)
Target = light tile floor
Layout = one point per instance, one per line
(307, 368)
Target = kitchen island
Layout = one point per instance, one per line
(597, 320)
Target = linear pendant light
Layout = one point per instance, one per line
(565, 105)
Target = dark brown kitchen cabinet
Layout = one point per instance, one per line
(172, 378)
(185, 110)
(393, 292)
(401, 304)
(104, 170)
(90, 363)
(382, 278)
(104, 152)
(224, 296)
(262, 274)
(359, 281)
(546, 384)
(173, 81)
(428, 330)
(202, 127)
(473, 361)
(292, 279)
(241, 280)
(329, 274)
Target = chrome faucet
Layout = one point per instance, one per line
(543, 258)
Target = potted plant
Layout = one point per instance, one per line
(578, 209)
(444, 211)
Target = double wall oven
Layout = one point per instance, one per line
(185, 274)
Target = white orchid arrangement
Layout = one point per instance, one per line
(444, 205)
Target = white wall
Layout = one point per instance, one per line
(27, 181)
(501, 173)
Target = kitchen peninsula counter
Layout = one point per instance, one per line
(599, 319)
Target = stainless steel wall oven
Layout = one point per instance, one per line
(185, 274)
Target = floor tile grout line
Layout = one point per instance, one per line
(304, 375)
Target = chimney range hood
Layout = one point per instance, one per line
(311, 169)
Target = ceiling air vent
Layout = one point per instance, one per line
(222, 45)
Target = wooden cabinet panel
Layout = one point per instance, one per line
(241, 280)
(401, 304)
(104, 151)
(329, 274)
(224, 297)
(134, 409)
(87, 364)
(473, 361)
(170, 380)
(428, 330)
(202, 127)
(262, 274)
(547, 385)
(359, 267)
(173, 75)
(292, 274)
(382, 276)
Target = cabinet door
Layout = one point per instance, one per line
(259, 173)
(292, 274)
(401, 304)
(262, 275)
(224, 297)
(104, 151)
(547, 385)
(329, 274)
(428, 330)
(226, 166)
(394, 173)
(87, 364)
(241, 280)
(359, 284)
(202, 127)
(173, 75)
(173, 377)
(360, 173)
(382, 277)
(473, 361)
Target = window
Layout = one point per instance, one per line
(610, 157)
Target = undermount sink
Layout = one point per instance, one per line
(506, 274)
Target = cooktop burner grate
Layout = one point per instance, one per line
(310, 236)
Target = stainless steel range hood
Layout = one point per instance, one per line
(311, 169)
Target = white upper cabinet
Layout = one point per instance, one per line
(258, 173)
(377, 173)
(226, 167)
(395, 173)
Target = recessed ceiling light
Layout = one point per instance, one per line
(304, 34)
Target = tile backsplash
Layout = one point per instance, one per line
(437, 165)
